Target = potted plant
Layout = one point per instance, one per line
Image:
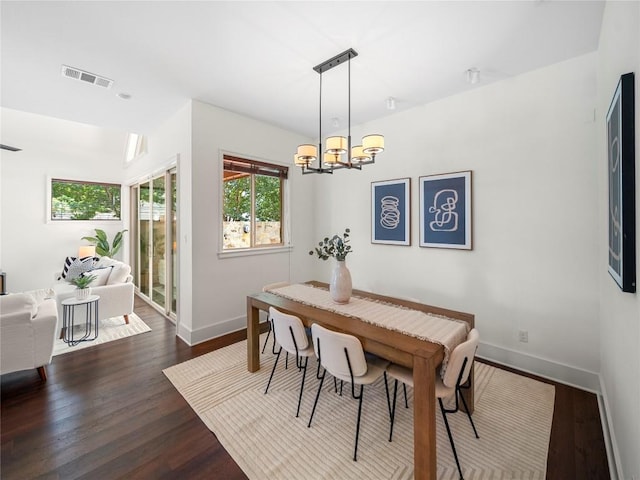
(82, 283)
(103, 248)
(337, 247)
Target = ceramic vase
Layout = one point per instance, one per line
(82, 293)
(340, 286)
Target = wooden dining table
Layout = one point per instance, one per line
(422, 356)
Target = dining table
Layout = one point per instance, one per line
(406, 342)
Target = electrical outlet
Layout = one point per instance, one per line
(523, 336)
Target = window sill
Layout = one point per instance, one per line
(246, 252)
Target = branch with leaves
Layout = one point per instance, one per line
(336, 246)
(102, 243)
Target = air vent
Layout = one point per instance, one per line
(77, 74)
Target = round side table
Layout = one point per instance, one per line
(69, 306)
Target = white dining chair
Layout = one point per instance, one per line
(455, 379)
(266, 288)
(292, 337)
(342, 356)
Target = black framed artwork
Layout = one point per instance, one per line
(445, 210)
(621, 183)
(391, 212)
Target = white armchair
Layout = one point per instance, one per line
(114, 284)
(27, 332)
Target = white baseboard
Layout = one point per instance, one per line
(184, 334)
(613, 454)
(193, 337)
(572, 376)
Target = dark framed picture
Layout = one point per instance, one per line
(445, 210)
(621, 173)
(391, 212)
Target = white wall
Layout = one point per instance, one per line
(619, 53)
(220, 285)
(33, 249)
(530, 142)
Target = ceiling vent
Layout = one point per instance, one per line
(77, 74)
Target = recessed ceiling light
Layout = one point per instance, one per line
(123, 95)
(473, 75)
(391, 103)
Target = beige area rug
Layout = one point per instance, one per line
(109, 330)
(513, 416)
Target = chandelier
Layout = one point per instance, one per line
(332, 157)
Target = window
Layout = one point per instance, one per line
(77, 200)
(252, 203)
(135, 147)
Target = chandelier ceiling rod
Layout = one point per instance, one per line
(320, 169)
(349, 109)
(336, 145)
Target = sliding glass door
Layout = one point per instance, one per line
(173, 236)
(154, 225)
(158, 242)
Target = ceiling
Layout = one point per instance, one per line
(257, 58)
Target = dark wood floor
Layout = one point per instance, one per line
(109, 412)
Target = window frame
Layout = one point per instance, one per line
(257, 167)
(49, 207)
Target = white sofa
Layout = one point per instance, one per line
(27, 332)
(114, 284)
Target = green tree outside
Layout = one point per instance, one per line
(237, 199)
(268, 206)
(84, 201)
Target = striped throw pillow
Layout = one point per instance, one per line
(74, 267)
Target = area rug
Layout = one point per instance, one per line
(110, 329)
(513, 416)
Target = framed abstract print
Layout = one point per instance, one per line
(391, 212)
(445, 210)
(621, 183)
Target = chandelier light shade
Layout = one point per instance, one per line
(373, 144)
(307, 153)
(336, 145)
(358, 155)
(331, 158)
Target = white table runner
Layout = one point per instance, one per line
(444, 331)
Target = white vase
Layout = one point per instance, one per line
(340, 286)
(82, 293)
